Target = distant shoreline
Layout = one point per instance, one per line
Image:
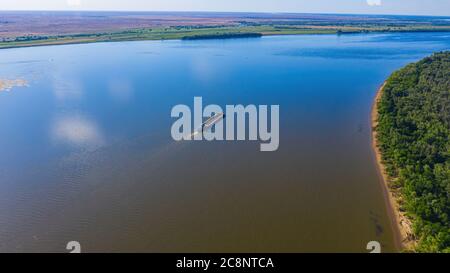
(94, 38)
(401, 224)
(55, 28)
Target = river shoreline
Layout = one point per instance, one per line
(402, 225)
(95, 39)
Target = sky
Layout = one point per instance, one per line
(410, 7)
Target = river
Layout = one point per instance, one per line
(86, 152)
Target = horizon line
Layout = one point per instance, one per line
(199, 11)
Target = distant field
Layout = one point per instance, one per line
(18, 29)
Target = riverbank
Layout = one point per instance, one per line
(161, 34)
(401, 224)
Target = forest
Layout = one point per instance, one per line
(413, 135)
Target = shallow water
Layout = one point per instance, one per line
(86, 153)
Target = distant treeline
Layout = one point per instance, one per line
(222, 36)
(413, 132)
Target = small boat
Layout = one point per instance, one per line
(211, 121)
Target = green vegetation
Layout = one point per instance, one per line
(209, 32)
(223, 36)
(413, 134)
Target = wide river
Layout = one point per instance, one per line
(86, 152)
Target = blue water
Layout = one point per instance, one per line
(86, 152)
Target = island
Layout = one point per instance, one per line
(411, 129)
(223, 36)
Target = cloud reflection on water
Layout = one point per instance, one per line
(77, 130)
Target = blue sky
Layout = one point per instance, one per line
(419, 7)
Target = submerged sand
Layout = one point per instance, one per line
(7, 85)
(402, 224)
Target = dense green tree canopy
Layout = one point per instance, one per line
(413, 134)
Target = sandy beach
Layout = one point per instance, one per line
(402, 225)
(7, 85)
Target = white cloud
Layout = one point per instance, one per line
(73, 3)
(374, 3)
